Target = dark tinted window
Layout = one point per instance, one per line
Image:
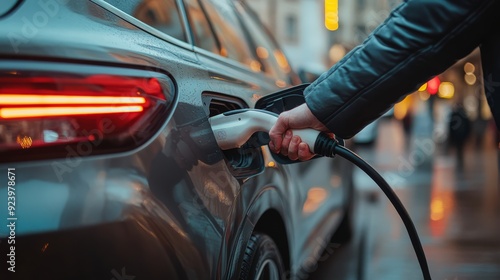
(163, 15)
(229, 32)
(203, 35)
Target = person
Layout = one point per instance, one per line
(418, 40)
(459, 130)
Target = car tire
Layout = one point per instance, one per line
(262, 259)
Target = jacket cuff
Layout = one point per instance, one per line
(321, 105)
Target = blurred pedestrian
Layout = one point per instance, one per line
(459, 130)
(419, 40)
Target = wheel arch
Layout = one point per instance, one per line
(271, 223)
(265, 214)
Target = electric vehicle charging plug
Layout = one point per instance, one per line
(233, 129)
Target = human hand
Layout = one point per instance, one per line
(282, 139)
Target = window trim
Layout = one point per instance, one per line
(185, 21)
(191, 29)
(251, 38)
(217, 38)
(210, 54)
(147, 28)
(272, 40)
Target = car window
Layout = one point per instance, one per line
(202, 32)
(229, 32)
(274, 62)
(162, 15)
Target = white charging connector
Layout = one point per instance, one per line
(233, 129)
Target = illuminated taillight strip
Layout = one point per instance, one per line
(30, 112)
(25, 99)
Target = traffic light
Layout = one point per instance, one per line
(433, 85)
(332, 14)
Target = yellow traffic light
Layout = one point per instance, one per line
(332, 14)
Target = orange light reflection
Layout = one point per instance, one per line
(442, 201)
(315, 197)
(25, 141)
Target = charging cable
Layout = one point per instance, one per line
(331, 147)
(233, 129)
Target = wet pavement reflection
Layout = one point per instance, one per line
(455, 208)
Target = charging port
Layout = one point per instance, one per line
(247, 160)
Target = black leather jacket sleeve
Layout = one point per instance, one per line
(419, 40)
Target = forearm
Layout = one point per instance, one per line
(420, 39)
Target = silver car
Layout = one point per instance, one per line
(110, 167)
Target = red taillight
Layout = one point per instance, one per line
(50, 114)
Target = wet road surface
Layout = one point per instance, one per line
(456, 210)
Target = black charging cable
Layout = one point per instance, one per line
(329, 147)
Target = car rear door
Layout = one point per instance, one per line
(317, 189)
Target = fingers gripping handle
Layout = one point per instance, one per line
(233, 129)
(308, 136)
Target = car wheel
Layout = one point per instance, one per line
(262, 259)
